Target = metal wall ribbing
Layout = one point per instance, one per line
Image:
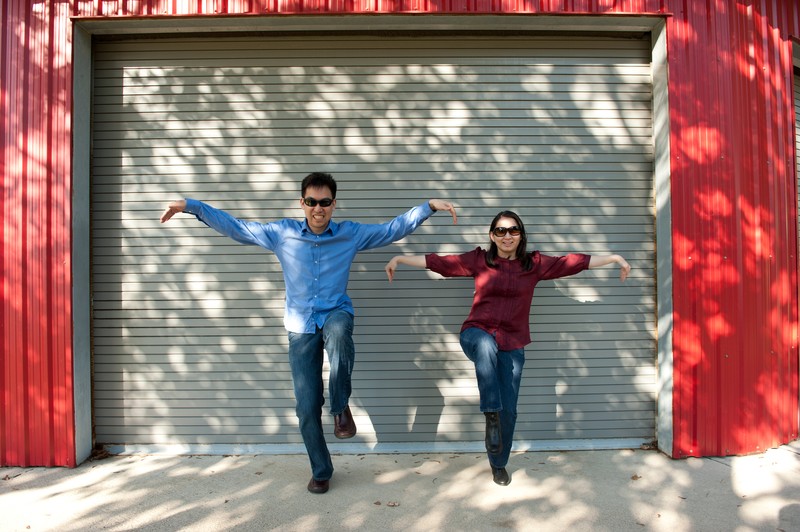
(189, 343)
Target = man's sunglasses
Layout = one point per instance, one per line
(501, 231)
(324, 202)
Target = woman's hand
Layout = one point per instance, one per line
(598, 261)
(624, 268)
(391, 267)
(416, 261)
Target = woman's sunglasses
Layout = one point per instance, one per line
(324, 202)
(501, 231)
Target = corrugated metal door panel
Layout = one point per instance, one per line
(188, 335)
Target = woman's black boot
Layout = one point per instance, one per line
(500, 476)
(494, 440)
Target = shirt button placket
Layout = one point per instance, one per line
(315, 252)
(315, 256)
(508, 282)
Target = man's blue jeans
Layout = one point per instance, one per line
(305, 360)
(499, 374)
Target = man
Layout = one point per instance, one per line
(315, 256)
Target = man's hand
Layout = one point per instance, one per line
(172, 209)
(441, 205)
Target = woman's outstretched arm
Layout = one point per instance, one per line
(416, 261)
(598, 261)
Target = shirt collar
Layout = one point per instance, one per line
(332, 228)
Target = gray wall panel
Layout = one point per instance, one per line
(189, 346)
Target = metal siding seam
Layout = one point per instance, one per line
(23, 256)
(770, 401)
(791, 192)
(788, 281)
(719, 229)
(770, 398)
(740, 159)
(751, 344)
(34, 292)
(776, 393)
(728, 359)
(738, 105)
(60, 375)
(704, 290)
(686, 332)
(44, 240)
(794, 366)
(62, 420)
(67, 416)
(12, 277)
(31, 289)
(4, 330)
(757, 355)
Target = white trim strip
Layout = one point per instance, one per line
(376, 448)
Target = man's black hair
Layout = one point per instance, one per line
(318, 180)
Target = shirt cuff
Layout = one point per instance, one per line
(192, 206)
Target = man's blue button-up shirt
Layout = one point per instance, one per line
(316, 268)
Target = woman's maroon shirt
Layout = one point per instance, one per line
(503, 294)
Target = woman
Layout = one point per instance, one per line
(497, 329)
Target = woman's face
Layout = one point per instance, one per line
(506, 235)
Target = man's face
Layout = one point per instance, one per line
(318, 216)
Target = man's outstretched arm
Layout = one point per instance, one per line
(172, 209)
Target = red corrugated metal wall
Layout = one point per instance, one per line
(735, 326)
(734, 219)
(36, 406)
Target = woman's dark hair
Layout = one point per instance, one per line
(522, 253)
(318, 180)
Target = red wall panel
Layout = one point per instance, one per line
(735, 292)
(734, 212)
(36, 405)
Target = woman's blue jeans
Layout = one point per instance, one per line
(499, 374)
(305, 360)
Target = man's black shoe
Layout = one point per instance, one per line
(318, 486)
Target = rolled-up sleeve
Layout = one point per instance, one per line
(552, 267)
(462, 265)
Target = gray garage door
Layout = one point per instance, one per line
(189, 346)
